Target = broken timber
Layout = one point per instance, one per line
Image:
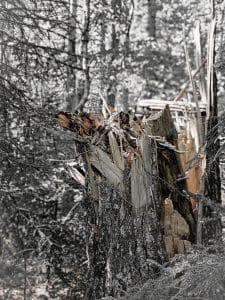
(141, 180)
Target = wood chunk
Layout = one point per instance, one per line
(179, 246)
(187, 245)
(168, 207)
(179, 226)
(75, 174)
(175, 229)
(141, 180)
(102, 162)
(169, 246)
(116, 151)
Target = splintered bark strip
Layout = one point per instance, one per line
(116, 151)
(210, 55)
(138, 189)
(194, 93)
(75, 174)
(91, 177)
(102, 162)
(202, 85)
(147, 154)
(141, 180)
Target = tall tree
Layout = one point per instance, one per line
(72, 81)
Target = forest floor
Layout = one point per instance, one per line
(199, 274)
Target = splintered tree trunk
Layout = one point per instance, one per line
(127, 179)
(136, 209)
(122, 205)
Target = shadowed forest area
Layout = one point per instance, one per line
(112, 149)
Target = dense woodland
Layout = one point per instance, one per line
(75, 56)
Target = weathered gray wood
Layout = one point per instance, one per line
(75, 174)
(103, 163)
(198, 119)
(117, 151)
(162, 125)
(139, 194)
(202, 81)
(142, 187)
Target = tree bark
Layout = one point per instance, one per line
(86, 82)
(124, 243)
(72, 99)
(212, 226)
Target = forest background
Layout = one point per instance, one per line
(63, 55)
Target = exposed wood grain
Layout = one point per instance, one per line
(198, 123)
(103, 163)
(116, 151)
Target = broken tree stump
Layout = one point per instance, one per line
(133, 170)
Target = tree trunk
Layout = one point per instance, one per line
(85, 81)
(212, 226)
(72, 99)
(153, 7)
(122, 207)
